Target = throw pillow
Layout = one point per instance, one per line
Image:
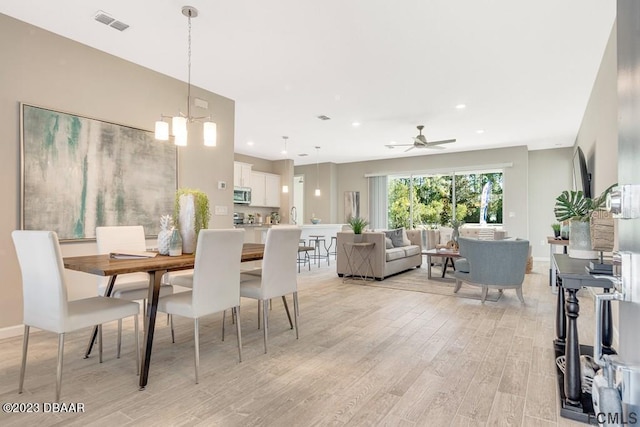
(396, 237)
(388, 242)
(405, 238)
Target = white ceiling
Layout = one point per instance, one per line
(524, 69)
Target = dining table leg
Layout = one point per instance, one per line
(155, 278)
(94, 334)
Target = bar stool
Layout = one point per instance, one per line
(333, 243)
(303, 256)
(314, 240)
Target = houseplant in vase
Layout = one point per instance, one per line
(358, 225)
(575, 207)
(192, 214)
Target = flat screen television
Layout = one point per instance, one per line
(581, 177)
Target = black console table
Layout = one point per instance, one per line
(573, 275)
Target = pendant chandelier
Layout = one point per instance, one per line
(285, 187)
(179, 122)
(317, 192)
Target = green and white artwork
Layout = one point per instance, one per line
(79, 173)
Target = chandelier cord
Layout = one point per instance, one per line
(189, 71)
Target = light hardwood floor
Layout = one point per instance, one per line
(366, 356)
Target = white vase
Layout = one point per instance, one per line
(357, 238)
(187, 223)
(580, 241)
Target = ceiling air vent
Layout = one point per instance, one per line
(323, 117)
(109, 20)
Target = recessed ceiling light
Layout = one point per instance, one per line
(480, 131)
(303, 154)
(249, 142)
(461, 106)
(355, 124)
(323, 117)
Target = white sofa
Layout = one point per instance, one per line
(384, 262)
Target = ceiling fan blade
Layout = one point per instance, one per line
(397, 145)
(444, 141)
(410, 148)
(433, 147)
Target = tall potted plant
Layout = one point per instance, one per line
(358, 225)
(575, 207)
(191, 214)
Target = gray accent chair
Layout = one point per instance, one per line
(498, 264)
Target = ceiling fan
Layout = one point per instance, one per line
(420, 141)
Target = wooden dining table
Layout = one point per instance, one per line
(156, 267)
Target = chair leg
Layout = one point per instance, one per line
(59, 370)
(259, 304)
(224, 315)
(168, 318)
(119, 344)
(265, 320)
(296, 311)
(136, 330)
(236, 311)
(485, 289)
(100, 342)
(173, 332)
(196, 340)
(458, 286)
(520, 296)
(286, 308)
(23, 366)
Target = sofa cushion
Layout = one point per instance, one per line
(388, 243)
(405, 238)
(411, 250)
(395, 253)
(396, 237)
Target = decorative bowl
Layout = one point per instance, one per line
(315, 220)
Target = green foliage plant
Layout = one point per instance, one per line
(556, 227)
(202, 207)
(357, 224)
(573, 205)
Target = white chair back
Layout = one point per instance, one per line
(121, 238)
(216, 273)
(43, 286)
(279, 265)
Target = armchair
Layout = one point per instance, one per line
(492, 263)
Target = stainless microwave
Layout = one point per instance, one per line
(242, 195)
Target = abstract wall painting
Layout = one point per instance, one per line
(79, 173)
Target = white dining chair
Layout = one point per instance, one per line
(215, 286)
(46, 305)
(278, 277)
(132, 286)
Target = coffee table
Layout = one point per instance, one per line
(448, 255)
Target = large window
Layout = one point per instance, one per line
(431, 200)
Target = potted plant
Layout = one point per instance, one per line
(556, 229)
(575, 207)
(192, 214)
(358, 225)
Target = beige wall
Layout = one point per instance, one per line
(598, 135)
(44, 69)
(550, 173)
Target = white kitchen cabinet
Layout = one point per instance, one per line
(241, 174)
(265, 189)
(272, 190)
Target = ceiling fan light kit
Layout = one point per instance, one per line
(420, 141)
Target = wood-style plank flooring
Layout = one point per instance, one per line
(366, 356)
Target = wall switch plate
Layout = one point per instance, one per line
(221, 210)
(222, 185)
